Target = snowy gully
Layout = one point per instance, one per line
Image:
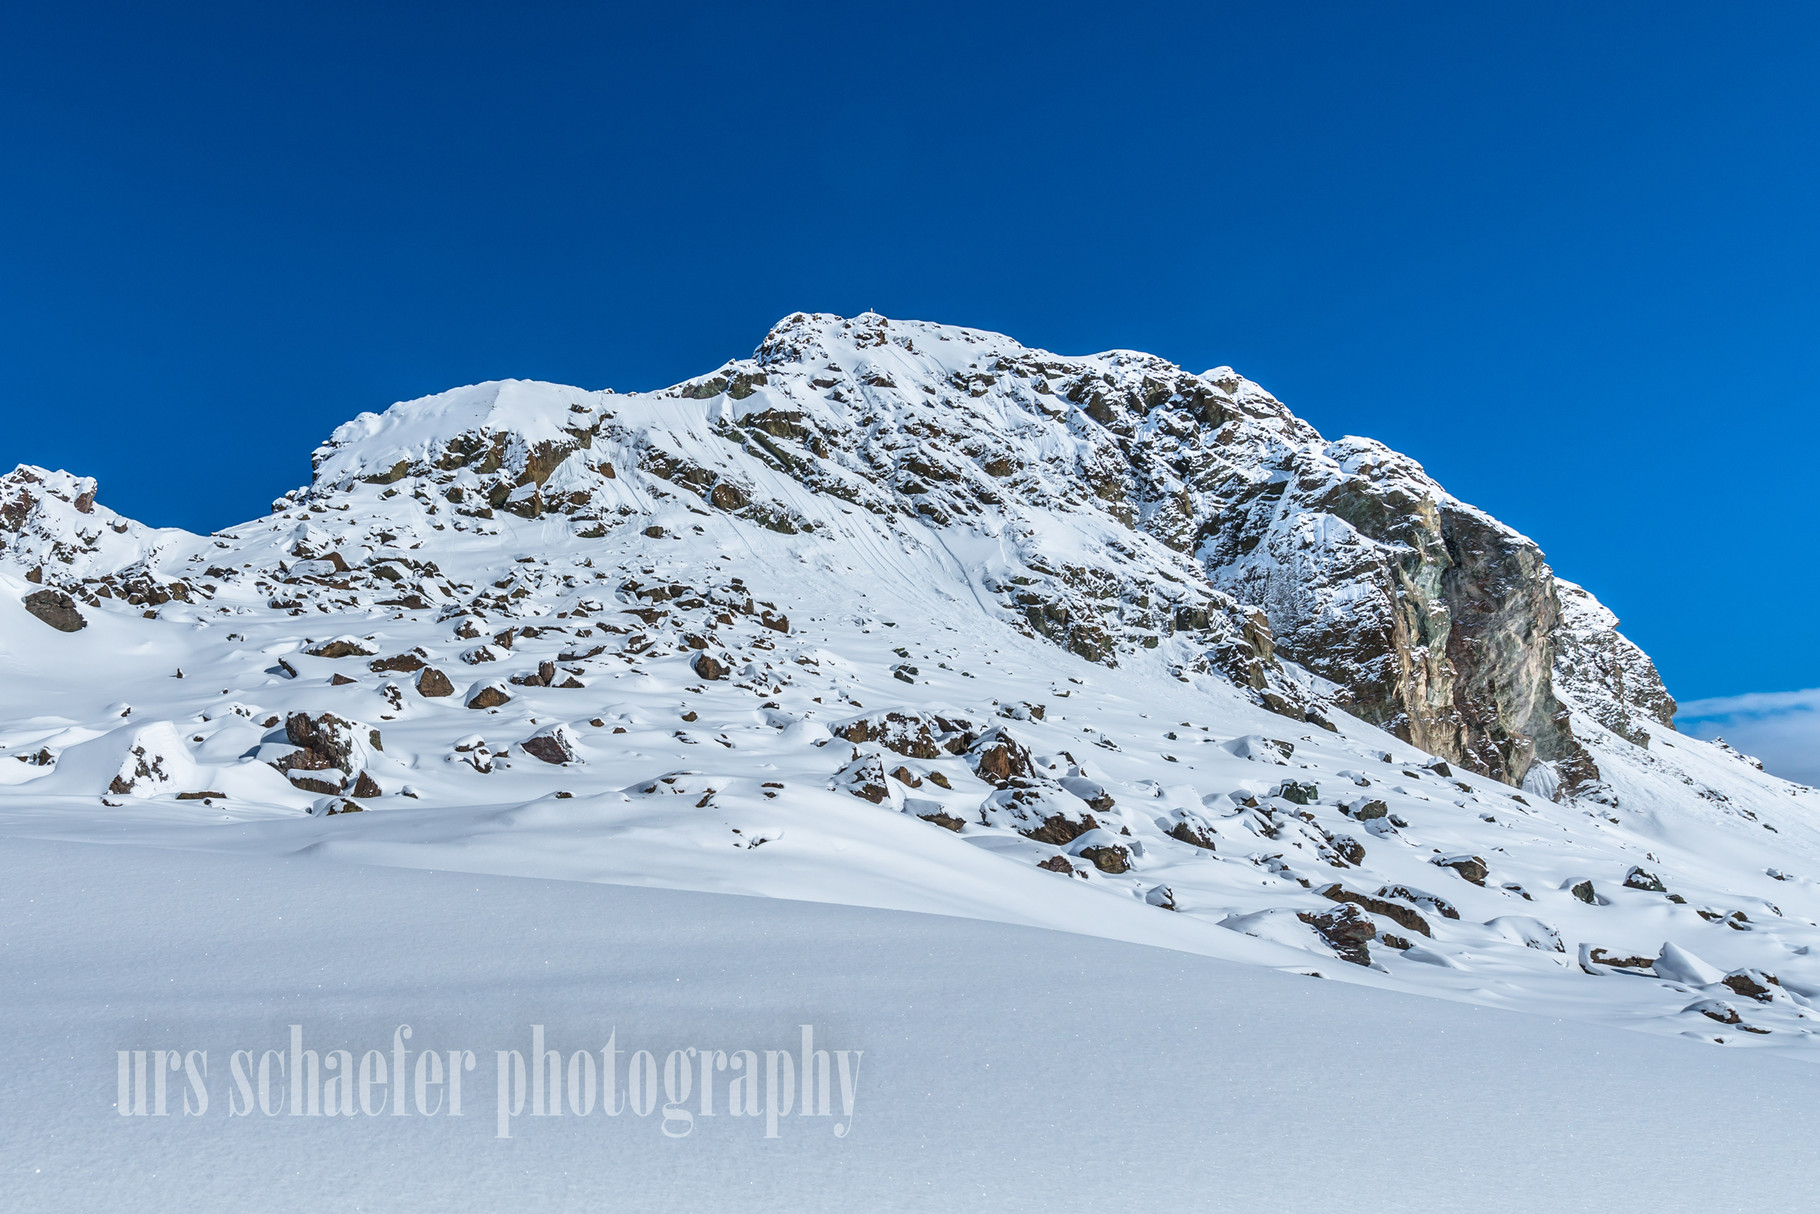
(765, 1086)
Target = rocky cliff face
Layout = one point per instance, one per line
(1602, 674)
(1436, 619)
(1111, 504)
(1432, 619)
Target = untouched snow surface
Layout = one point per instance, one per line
(1004, 1068)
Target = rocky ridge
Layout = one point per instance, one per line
(1196, 513)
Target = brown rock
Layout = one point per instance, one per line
(545, 676)
(490, 696)
(864, 777)
(1112, 859)
(999, 758)
(1749, 983)
(1639, 878)
(1347, 848)
(366, 787)
(1058, 864)
(1188, 834)
(909, 734)
(433, 684)
(326, 741)
(338, 649)
(1402, 916)
(1346, 929)
(56, 609)
(1096, 797)
(1470, 867)
(1599, 956)
(1058, 830)
(549, 749)
(707, 668)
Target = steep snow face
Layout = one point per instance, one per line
(904, 615)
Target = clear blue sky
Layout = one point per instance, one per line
(1565, 255)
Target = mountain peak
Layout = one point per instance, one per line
(50, 522)
(1123, 496)
(914, 615)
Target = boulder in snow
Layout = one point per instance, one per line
(56, 609)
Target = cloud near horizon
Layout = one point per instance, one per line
(1782, 728)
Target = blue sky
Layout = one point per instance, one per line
(1782, 729)
(1565, 255)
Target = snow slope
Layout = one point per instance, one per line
(898, 615)
(1003, 1068)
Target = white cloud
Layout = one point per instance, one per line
(1780, 727)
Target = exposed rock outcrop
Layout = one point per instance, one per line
(56, 609)
(1601, 673)
(1435, 620)
(332, 753)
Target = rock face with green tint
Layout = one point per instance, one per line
(1433, 619)
(1437, 620)
(1239, 523)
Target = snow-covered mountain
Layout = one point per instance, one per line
(905, 615)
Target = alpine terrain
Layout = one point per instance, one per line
(907, 616)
